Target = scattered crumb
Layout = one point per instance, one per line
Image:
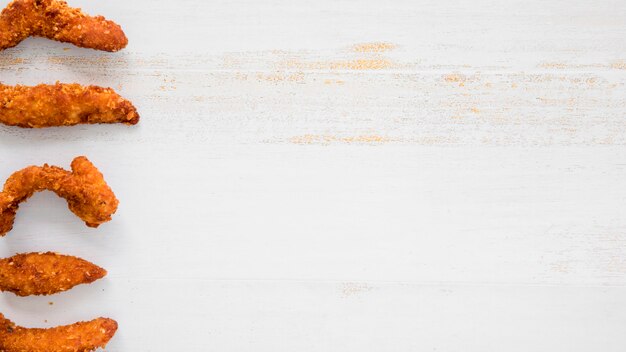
(454, 77)
(231, 62)
(333, 81)
(8, 61)
(76, 60)
(617, 264)
(328, 139)
(561, 267)
(375, 47)
(553, 65)
(280, 77)
(354, 288)
(619, 65)
(356, 64)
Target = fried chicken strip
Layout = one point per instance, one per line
(62, 104)
(55, 20)
(78, 337)
(87, 194)
(45, 273)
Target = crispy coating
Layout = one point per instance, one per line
(55, 20)
(87, 194)
(78, 337)
(61, 104)
(45, 273)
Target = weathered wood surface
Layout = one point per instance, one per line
(344, 176)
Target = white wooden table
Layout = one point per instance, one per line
(343, 176)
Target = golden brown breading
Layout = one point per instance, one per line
(60, 104)
(87, 194)
(55, 20)
(45, 273)
(78, 337)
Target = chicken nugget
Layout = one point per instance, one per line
(78, 337)
(45, 273)
(55, 20)
(87, 194)
(63, 104)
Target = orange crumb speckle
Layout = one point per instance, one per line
(90, 61)
(361, 64)
(354, 288)
(333, 81)
(454, 77)
(328, 139)
(357, 64)
(561, 267)
(617, 264)
(279, 77)
(475, 110)
(375, 47)
(7, 61)
(296, 77)
(619, 65)
(241, 76)
(435, 140)
(553, 65)
(231, 62)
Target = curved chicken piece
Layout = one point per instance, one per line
(63, 104)
(45, 273)
(87, 194)
(55, 20)
(78, 337)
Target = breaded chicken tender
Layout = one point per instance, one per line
(78, 337)
(55, 20)
(45, 273)
(61, 104)
(87, 194)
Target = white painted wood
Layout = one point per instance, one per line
(460, 190)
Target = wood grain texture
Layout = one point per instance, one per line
(343, 175)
